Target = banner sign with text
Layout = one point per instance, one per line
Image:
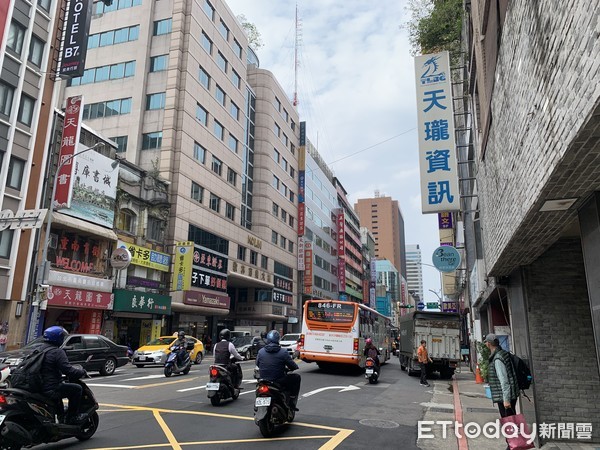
(75, 38)
(141, 256)
(437, 148)
(182, 272)
(142, 302)
(68, 143)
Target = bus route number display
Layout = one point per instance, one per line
(331, 312)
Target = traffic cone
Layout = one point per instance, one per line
(478, 378)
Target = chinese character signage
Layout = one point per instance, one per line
(182, 272)
(301, 218)
(69, 140)
(72, 56)
(341, 274)
(94, 189)
(79, 298)
(206, 280)
(301, 185)
(451, 307)
(283, 284)
(308, 267)
(341, 233)
(437, 150)
(141, 256)
(142, 302)
(143, 282)
(73, 280)
(301, 265)
(302, 133)
(205, 259)
(445, 221)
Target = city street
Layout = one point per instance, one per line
(140, 408)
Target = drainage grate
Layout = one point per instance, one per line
(482, 410)
(441, 410)
(379, 423)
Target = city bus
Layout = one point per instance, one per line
(334, 332)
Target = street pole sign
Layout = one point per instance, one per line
(432, 305)
(420, 306)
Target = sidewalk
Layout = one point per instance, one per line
(464, 401)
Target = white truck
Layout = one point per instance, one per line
(441, 332)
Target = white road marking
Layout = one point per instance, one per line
(124, 386)
(146, 377)
(191, 389)
(343, 389)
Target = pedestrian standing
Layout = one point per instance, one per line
(424, 359)
(502, 377)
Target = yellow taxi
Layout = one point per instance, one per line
(156, 351)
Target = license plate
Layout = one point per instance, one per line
(212, 386)
(2, 416)
(263, 401)
(142, 358)
(369, 372)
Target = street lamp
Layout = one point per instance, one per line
(43, 267)
(437, 295)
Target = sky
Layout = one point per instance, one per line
(356, 90)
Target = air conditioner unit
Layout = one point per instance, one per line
(53, 241)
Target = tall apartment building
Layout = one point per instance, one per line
(382, 216)
(176, 87)
(414, 270)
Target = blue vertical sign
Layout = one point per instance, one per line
(437, 147)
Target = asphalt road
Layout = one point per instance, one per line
(141, 409)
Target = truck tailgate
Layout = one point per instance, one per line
(443, 339)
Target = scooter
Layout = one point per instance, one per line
(4, 374)
(371, 371)
(171, 366)
(272, 407)
(28, 419)
(220, 387)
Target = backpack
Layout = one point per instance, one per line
(28, 374)
(522, 372)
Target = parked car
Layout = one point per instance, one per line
(247, 346)
(156, 351)
(290, 342)
(106, 356)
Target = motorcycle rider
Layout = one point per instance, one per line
(372, 352)
(56, 363)
(223, 352)
(272, 361)
(182, 350)
(262, 342)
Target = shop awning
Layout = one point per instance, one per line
(83, 227)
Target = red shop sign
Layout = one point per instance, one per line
(79, 298)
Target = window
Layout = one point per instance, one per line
(237, 48)
(219, 130)
(275, 209)
(107, 109)
(253, 258)
(217, 165)
(6, 98)
(276, 155)
(236, 79)
(201, 114)
(291, 246)
(222, 62)
(107, 39)
(224, 30)
(284, 164)
(231, 176)
(101, 8)
(282, 241)
(275, 182)
(291, 221)
(121, 142)
(103, 73)
(293, 149)
(220, 95)
(274, 237)
(197, 192)
(264, 261)
(199, 153)
(155, 101)
(292, 172)
(152, 141)
(16, 35)
(154, 230)
(25, 115)
(234, 111)
(204, 78)
(229, 211)
(277, 130)
(215, 203)
(45, 4)
(206, 43)
(284, 215)
(292, 197)
(242, 253)
(293, 125)
(286, 116)
(36, 50)
(126, 221)
(6, 238)
(15, 173)
(233, 144)
(285, 139)
(209, 10)
(162, 26)
(277, 104)
(159, 63)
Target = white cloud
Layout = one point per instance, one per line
(356, 90)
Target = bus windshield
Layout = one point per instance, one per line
(332, 312)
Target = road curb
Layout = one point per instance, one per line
(458, 417)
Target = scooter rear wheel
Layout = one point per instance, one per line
(216, 400)
(266, 427)
(187, 370)
(89, 427)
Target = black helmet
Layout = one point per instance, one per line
(273, 336)
(181, 334)
(225, 334)
(263, 334)
(55, 335)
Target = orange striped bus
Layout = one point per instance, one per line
(334, 332)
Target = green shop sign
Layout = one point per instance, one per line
(142, 302)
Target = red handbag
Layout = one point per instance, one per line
(517, 432)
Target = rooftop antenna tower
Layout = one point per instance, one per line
(296, 62)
